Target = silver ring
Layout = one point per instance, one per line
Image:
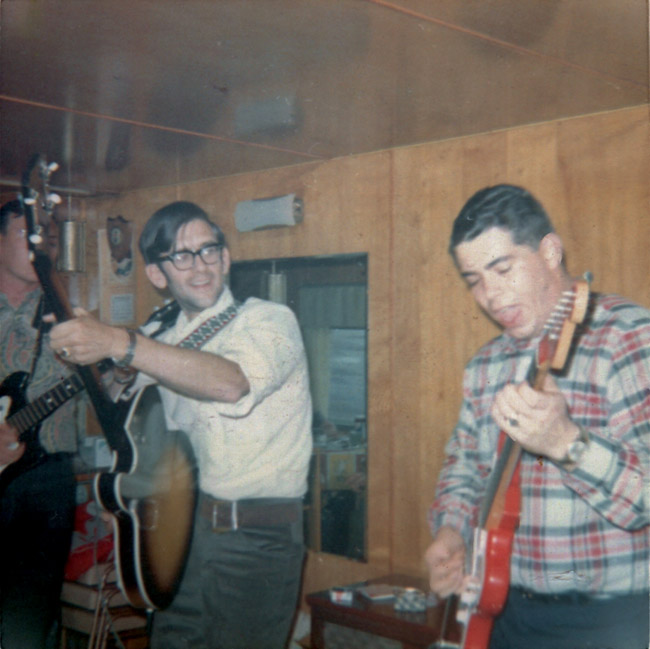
(65, 352)
(513, 422)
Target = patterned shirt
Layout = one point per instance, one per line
(587, 530)
(18, 338)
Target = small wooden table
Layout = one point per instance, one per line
(413, 630)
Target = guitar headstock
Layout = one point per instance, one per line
(558, 332)
(38, 204)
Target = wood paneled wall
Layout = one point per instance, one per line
(590, 172)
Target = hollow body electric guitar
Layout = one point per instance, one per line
(151, 487)
(488, 583)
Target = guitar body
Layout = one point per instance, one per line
(497, 572)
(478, 630)
(485, 599)
(13, 400)
(497, 548)
(152, 502)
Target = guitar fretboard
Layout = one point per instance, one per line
(46, 404)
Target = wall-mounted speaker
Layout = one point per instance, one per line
(263, 213)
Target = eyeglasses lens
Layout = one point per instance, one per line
(184, 260)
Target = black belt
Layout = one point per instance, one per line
(569, 597)
(228, 515)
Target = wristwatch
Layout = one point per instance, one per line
(577, 448)
(130, 351)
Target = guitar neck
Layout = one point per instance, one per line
(494, 503)
(485, 594)
(498, 483)
(46, 404)
(551, 354)
(108, 416)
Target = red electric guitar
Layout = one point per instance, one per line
(489, 579)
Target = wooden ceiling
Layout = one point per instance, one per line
(127, 94)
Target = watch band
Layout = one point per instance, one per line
(127, 359)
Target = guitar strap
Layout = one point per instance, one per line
(202, 334)
(208, 329)
(166, 316)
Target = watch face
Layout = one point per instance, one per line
(576, 451)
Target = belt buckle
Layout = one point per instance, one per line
(234, 518)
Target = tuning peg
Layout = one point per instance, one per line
(54, 199)
(52, 167)
(30, 200)
(36, 239)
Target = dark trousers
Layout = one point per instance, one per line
(36, 522)
(239, 590)
(572, 622)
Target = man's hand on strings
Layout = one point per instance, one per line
(445, 558)
(538, 420)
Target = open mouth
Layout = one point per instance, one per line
(508, 316)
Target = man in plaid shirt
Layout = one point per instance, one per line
(579, 564)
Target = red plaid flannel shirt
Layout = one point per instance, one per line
(587, 530)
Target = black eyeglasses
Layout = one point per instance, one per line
(184, 259)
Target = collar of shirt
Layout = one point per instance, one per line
(183, 326)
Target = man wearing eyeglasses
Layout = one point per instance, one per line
(234, 377)
(37, 486)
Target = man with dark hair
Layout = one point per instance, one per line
(579, 562)
(37, 497)
(505, 206)
(234, 378)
